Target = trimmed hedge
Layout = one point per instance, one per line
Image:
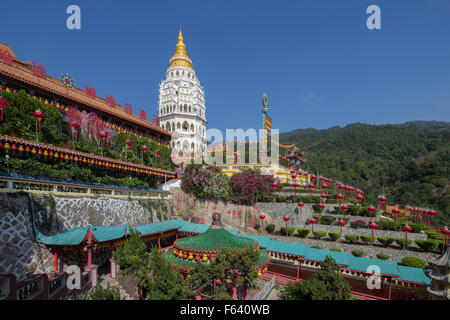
(401, 242)
(427, 245)
(328, 220)
(303, 233)
(414, 262)
(366, 239)
(382, 256)
(335, 249)
(270, 228)
(385, 241)
(290, 231)
(320, 234)
(316, 247)
(334, 236)
(351, 238)
(358, 253)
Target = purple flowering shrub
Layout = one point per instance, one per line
(250, 186)
(205, 182)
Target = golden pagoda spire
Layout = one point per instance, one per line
(180, 57)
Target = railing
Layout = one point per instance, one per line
(29, 289)
(261, 295)
(55, 285)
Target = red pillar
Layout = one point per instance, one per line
(89, 256)
(233, 292)
(298, 270)
(81, 258)
(176, 237)
(246, 294)
(159, 242)
(56, 260)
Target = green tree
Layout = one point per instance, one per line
(325, 284)
(108, 293)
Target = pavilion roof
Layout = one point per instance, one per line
(387, 267)
(443, 261)
(215, 239)
(292, 248)
(411, 274)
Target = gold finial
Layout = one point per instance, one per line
(180, 57)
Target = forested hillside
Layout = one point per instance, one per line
(408, 162)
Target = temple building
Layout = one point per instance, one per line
(440, 277)
(181, 103)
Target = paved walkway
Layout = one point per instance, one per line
(274, 294)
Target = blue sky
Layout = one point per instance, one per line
(317, 61)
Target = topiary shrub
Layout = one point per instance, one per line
(414, 262)
(358, 253)
(290, 231)
(358, 224)
(328, 220)
(320, 234)
(382, 256)
(270, 228)
(316, 247)
(351, 238)
(303, 232)
(334, 236)
(366, 239)
(427, 245)
(401, 242)
(385, 241)
(335, 249)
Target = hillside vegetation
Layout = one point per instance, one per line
(408, 162)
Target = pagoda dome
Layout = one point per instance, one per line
(180, 57)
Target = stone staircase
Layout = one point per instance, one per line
(104, 280)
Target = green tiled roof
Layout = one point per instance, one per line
(443, 261)
(215, 239)
(156, 227)
(387, 267)
(71, 237)
(416, 275)
(263, 241)
(193, 227)
(341, 258)
(286, 247)
(106, 233)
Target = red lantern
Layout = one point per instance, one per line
(320, 206)
(382, 199)
(340, 197)
(144, 149)
(218, 281)
(129, 144)
(446, 233)
(39, 117)
(286, 218)
(262, 217)
(3, 103)
(312, 221)
(341, 223)
(323, 196)
(431, 213)
(395, 212)
(310, 186)
(295, 185)
(300, 204)
(359, 200)
(371, 209)
(406, 229)
(344, 208)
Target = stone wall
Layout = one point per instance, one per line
(21, 214)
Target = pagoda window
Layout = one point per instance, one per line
(192, 146)
(173, 126)
(178, 73)
(192, 127)
(190, 109)
(178, 126)
(185, 126)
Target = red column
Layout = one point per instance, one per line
(81, 258)
(246, 294)
(159, 242)
(233, 292)
(56, 260)
(298, 270)
(89, 256)
(176, 237)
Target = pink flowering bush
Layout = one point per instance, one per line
(205, 182)
(250, 186)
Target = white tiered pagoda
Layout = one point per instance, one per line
(181, 104)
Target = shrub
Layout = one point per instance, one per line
(358, 224)
(270, 228)
(303, 233)
(401, 242)
(316, 247)
(417, 227)
(320, 234)
(351, 238)
(328, 220)
(382, 256)
(414, 262)
(358, 253)
(249, 186)
(108, 293)
(386, 224)
(335, 249)
(435, 235)
(366, 239)
(334, 236)
(385, 241)
(427, 245)
(290, 231)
